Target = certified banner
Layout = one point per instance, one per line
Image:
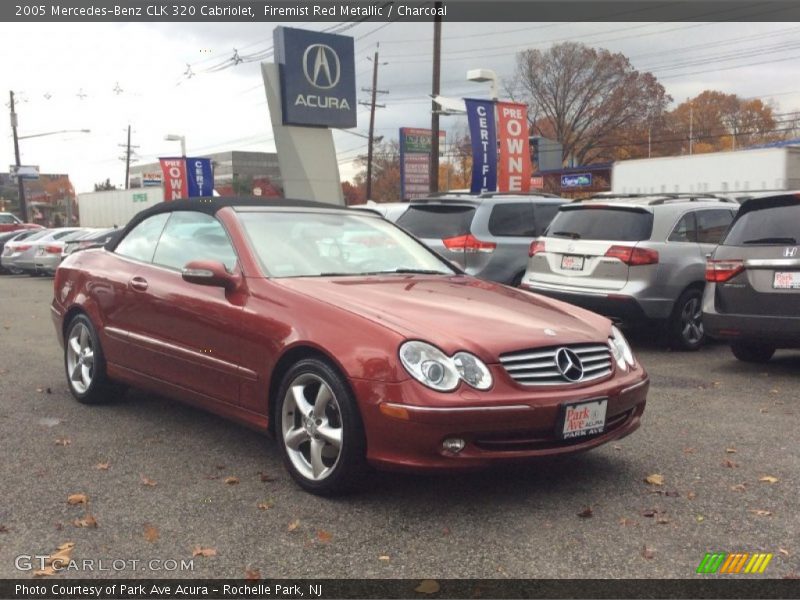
(200, 177)
(175, 185)
(515, 153)
(480, 114)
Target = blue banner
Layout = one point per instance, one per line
(200, 177)
(483, 133)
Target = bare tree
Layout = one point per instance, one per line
(584, 97)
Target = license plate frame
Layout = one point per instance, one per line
(572, 262)
(792, 278)
(598, 410)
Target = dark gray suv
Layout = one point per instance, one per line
(487, 235)
(752, 297)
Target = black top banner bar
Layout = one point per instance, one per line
(278, 11)
(485, 589)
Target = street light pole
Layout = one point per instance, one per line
(23, 209)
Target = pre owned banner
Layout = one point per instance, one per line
(175, 184)
(480, 114)
(515, 154)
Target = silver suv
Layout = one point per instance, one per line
(487, 235)
(634, 258)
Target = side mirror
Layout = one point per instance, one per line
(212, 273)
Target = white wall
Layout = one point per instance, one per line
(116, 207)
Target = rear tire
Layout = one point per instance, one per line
(319, 429)
(752, 352)
(517, 279)
(84, 363)
(685, 326)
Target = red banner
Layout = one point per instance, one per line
(176, 185)
(514, 173)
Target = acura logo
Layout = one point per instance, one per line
(569, 364)
(790, 252)
(321, 66)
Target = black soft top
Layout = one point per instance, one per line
(210, 206)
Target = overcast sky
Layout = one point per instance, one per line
(50, 66)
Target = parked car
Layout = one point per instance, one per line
(23, 254)
(49, 255)
(636, 258)
(391, 211)
(10, 222)
(13, 236)
(752, 298)
(224, 304)
(488, 235)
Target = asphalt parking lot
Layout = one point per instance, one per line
(157, 477)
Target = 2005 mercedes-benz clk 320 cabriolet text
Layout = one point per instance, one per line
(348, 339)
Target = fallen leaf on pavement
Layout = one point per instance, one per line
(324, 536)
(768, 479)
(625, 522)
(763, 410)
(384, 557)
(61, 555)
(730, 450)
(691, 495)
(63, 442)
(151, 533)
(445, 531)
(87, 521)
(672, 493)
(3, 529)
(760, 512)
(252, 575)
(650, 512)
(783, 551)
(77, 499)
(103, 466)
(204, 552)
(739, 487)
(427, 586)
(46, 572)
(586, 513)
(231, 480)
(147, 481)
(689, 450)
(40, 390)
(265, 505)
(654, 479)
(266, 476)
(700, 518)
(648, 552)
(662, 520)
(294, 525)
(730, 464)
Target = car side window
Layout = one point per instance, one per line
(190, 236)
(712, 225)
(140, 243)
(512, 220)
(5, 219)
(685, 230)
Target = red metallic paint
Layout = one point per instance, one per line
(218, 348)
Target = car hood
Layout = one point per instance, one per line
(459, 312)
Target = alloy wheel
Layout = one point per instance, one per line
(80, 358)
(312, 427)
(692, 321)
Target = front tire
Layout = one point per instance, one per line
(685, 327)
(752, 352)
(85, 364)
(319, 429)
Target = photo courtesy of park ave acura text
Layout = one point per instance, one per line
(380, 299)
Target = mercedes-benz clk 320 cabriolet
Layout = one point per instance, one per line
(344, 336)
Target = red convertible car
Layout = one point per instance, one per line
(344, 336)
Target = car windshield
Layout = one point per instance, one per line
(601, 223)
(774, 224)
(437, 221)
(311, 244)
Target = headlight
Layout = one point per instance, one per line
(620, 349)
(472, 370)
(433, 368)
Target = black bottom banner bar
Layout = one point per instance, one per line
(130, 589)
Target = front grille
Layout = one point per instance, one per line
(538, 366)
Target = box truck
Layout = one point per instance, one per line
(116, 207)
(738, 173)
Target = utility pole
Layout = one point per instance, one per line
(691, 127)
(435, 89)
(23, 208)
(371, 139)
(127, 158)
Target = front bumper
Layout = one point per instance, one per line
(406, 423)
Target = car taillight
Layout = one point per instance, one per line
(23, 248)
(718, 271)
(52, 249)
(536, 247)
(468, 243)
(633, 256)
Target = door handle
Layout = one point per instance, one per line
(139, 284)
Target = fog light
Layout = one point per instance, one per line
(454, 445)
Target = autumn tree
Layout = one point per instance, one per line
(586, 98)
(104, 186)
(353, 194)
(385, 172)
